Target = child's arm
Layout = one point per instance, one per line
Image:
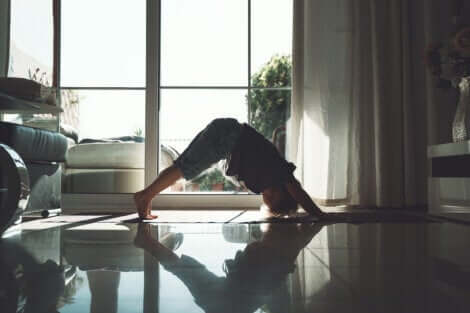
(300, 195)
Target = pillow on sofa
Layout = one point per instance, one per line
(137, 139)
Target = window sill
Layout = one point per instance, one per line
(123, 203)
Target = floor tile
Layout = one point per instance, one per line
(55, 221)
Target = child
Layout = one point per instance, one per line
(251, 159)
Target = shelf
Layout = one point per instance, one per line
(12, 105)
(449, 149)
(450, 159)
(449, 179)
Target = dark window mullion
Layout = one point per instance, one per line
(249, 61)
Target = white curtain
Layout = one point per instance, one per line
(360, 110)
(4, 36)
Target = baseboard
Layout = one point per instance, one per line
(445, 208)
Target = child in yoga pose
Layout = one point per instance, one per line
(252, 159)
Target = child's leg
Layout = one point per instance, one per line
(212, 144)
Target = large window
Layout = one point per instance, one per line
(216, 58)
(226, 58)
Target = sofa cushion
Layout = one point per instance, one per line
(34, 144)
(103, 180)
(129, 155)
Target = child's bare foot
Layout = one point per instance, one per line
(143, 206)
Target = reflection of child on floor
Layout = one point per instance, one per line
(251, 159)
(254, 277)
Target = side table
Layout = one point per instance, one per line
(449, 179)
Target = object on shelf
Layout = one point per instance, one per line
(461, 123)
(27, 89)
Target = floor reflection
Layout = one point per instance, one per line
(28, 285)
(254, 277)
(109, 267)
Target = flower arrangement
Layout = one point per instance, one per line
(39, 77)
(449, 60)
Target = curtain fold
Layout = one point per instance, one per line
(4, 36)
(359, 124)
(294, 125)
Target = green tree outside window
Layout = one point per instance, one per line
(268, 109)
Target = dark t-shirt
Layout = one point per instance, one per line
(256, 161)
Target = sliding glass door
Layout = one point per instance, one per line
(103, 82)
(226, 58)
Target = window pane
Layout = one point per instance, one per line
(204, 43)
(184, 113)
(103, 43)
(271, 42)
(109, 113)
(104, 164)
(269, 110)
(31, 40)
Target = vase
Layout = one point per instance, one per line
(461, 123)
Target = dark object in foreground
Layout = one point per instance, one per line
(14, 187)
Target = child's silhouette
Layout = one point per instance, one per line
(253, 277)
(252, 159)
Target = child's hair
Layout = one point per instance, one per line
(284, 204)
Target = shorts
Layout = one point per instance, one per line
(212, 144)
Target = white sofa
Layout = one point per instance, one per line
(110, 167)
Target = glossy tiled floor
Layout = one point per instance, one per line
(100, 264)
